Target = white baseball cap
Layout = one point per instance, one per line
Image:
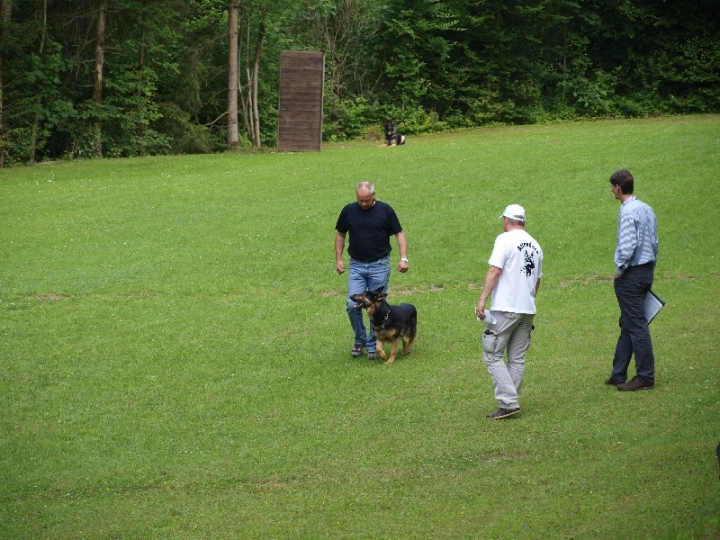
(514, 211)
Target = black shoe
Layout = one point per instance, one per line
(636, 384)
(613, 382)
(502, 413)
(357, 351)
(372, 355)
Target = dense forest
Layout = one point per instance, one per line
(93, 78)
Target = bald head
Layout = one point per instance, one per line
(366, 188)
(365, 192)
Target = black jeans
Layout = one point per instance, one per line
(630, 290)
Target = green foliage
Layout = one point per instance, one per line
(414, 120)
(418, 48)
(438, 64)
(129, 111)
(80, 138)
(349, 119)
(186, 136)
(692, 64)
(33, 105)
(405, 72)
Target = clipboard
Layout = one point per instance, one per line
(653, 304)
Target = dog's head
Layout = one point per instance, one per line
(369, 300)
(390, 128)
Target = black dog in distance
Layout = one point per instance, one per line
(392, 137)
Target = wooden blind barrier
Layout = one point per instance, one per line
(300, 108)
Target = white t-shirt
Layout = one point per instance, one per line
(520, 258)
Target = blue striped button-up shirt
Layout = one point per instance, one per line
(637, 241)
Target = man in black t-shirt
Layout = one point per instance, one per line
(370, 223)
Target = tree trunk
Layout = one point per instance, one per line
(232, 126)
(245, 93)
(139, 126)
(251, 67)
(256, 75)
(38, 102)
(5, 13)
(98, 78)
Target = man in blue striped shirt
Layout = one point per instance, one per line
(635, 258)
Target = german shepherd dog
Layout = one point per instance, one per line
(392, 137)
(391, 323)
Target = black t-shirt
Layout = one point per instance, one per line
(370, 230)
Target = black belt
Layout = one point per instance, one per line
(370, 262)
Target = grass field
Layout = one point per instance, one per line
(174, 351)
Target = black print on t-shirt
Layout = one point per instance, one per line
(529, 263)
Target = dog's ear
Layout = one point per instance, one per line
(379, 291)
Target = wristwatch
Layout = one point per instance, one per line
(404, 259)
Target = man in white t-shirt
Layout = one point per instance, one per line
(512, 282)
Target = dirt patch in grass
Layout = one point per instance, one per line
(395, 291)
(589, 280)
(52, 297)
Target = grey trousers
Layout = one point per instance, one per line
(510, 332)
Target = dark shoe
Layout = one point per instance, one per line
(636, 384)
(502, 413)
(613, 382)
(357, 351)
(373, 355)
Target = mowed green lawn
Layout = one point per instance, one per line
(174, 350)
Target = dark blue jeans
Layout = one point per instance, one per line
(365, 276)
(630, 290)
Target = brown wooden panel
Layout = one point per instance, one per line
(300, 107)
